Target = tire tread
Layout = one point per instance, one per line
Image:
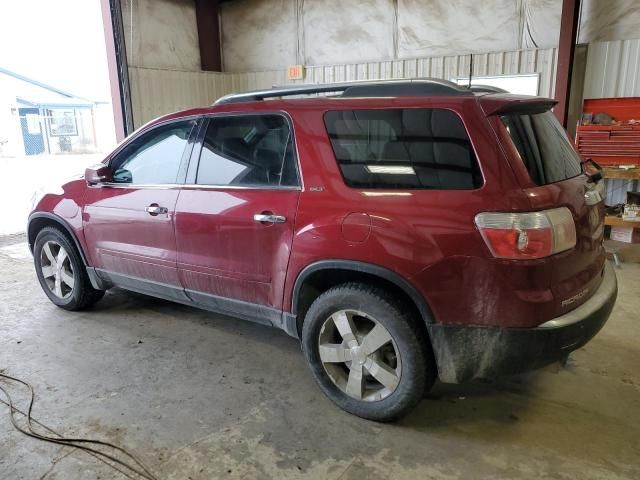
(416, 346)
(86, 295)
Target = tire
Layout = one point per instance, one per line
(406, 373)
(68, 287)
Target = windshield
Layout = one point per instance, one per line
(543, 147)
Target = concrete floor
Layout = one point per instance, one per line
(200, 396)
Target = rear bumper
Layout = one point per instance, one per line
(467, 352)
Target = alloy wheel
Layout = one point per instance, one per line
(57, 270)
(359, 355)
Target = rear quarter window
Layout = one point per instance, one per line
(543, 147)
(403, 149)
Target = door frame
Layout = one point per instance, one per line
(184, 161)
(138, 284)
(194, 161)
(246, 310)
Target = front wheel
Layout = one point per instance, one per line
(365, 353)
(61, 272)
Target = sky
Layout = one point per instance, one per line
(57, 42)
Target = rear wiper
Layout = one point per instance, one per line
(594, 177)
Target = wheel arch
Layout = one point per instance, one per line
(317, 277)
(40, 220)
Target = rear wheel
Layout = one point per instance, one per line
(365, 353)
(61, 272)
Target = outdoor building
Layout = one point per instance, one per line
(36, 118)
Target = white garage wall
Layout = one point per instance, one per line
(259, 35)
(605, 20)
(161, 34)
(435, 27)
(163, 53)
(271, 34)
(336, 31)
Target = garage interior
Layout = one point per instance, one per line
(197, 395)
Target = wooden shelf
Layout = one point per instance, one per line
(626, 174)
(619, 222)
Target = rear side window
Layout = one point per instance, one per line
(543, 147)
(403, 149)
(248, 150)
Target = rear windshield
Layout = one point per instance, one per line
(543, 146)
(416, 148)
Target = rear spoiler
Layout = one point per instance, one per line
(504, 104)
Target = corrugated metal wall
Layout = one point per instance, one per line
(542, 61)
(613, 70)
(157, 91)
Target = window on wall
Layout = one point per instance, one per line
(518, 84)
(153, 157)
(403, 149)
(62, 123)
(248, 150)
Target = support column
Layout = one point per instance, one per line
(566, 49)
(207, 18)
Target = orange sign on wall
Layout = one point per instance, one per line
(295, 72)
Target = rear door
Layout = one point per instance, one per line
(129, 223)
(549, 167)
(236, 213)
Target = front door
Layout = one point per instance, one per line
(129, 223)
(235, 216)
(31, 130)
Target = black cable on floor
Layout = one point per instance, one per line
(138, 469)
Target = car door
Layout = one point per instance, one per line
(129, 222)
(235, 215)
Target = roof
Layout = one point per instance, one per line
(34, 93)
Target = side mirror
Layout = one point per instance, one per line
(97, 174)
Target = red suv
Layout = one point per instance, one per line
(402, 231)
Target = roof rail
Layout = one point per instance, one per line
(366, 88)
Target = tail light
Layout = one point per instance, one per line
(527, 235)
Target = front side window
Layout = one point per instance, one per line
(247, 150)
(543, 147)
(154, 157)
(417, 148)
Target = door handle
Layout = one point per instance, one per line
(155, 209)
(269, 218)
